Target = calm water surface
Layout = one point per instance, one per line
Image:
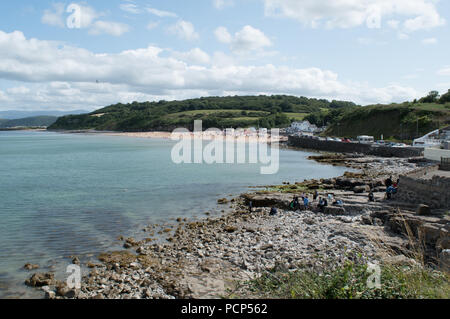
(67, 194)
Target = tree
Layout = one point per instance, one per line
(445, 98)
(432, 97)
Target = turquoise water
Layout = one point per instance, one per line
(71, 194)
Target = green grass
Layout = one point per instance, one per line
(296, 116)
(349, 281)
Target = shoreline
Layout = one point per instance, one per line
(169, 135)
(207, 259)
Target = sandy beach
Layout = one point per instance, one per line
(205, 137)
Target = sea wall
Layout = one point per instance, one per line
(433, 192)
(340, 147)
(434, 154)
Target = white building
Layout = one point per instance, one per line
(302, 127)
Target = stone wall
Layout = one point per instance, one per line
(340, 147)
(433, 192)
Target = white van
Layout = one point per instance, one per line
(364, 139)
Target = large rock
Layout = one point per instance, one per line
(361, 189)
(281, 201)
(423, 210)
(444, 260)
(41, 280)
(333, 210)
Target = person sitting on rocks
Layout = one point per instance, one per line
(273, 211)
(250, 206)
(371, 197)
(338, 202)
(295, 203)
(388, 182)
(322, 204)
(389, 191)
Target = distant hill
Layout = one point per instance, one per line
(35, 121)
(12, 115)
(220, 112)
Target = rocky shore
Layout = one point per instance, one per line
(211, 258)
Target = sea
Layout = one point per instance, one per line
(64, 195)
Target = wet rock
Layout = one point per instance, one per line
(31, 266)
(76, 261)
(222, 201)
(41, 280)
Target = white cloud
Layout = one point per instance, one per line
(417, 14)
(59, 76)
(223, 35)
(87, 15)
(444, 71)
(220, 4)
(184, 30)
(130, 7)
(429, 41)
(244, 41)
(161, 13)
(194, 56)
(108, 27)
(54, 16)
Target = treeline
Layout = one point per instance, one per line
(263, 111)
(35, 121)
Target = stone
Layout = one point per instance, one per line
(361, 189)
(76, 261)
(332, 210)
(222, 201)
(444, 260)
(230, 229)
(31, 266)
(366, 220)
(41, 280)
(423, 210)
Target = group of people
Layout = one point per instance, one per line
(322, 201)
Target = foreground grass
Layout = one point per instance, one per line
(350, 282)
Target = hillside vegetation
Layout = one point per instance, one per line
(397, 121)
(404, 121)
(220, 112)
(35, 121)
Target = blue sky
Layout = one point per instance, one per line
(367, 51)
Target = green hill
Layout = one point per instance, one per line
(35, 121)
(396, 121)
(220, 112)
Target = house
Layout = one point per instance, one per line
(302, 127)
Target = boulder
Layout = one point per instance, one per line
(333, 210)
(423, 210)
(41, 280)
(31, 266)
(444, 260)
(361, 189)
